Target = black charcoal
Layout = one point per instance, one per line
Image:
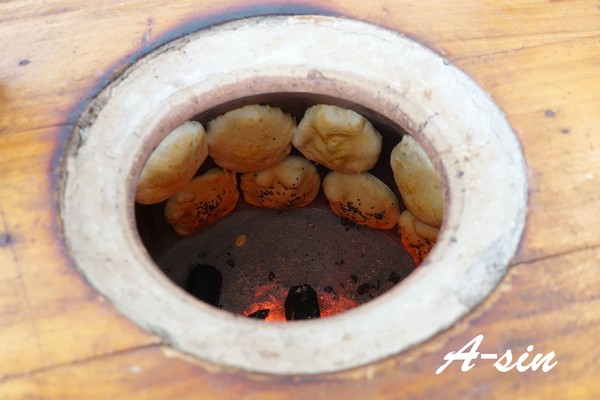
(260, 314)
(301, 303)
(205, 283)
(363, 289)
(394, 277)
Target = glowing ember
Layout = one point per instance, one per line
(272, 296)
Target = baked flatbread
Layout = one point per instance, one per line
(172, 164)
(250, 138)
(294, 182)
(417, 182)
(202, 201)
(416, 237)
(362, 199)
(337, 138)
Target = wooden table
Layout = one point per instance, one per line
(540, 61)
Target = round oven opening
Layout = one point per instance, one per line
(250, 261)
(304, 60)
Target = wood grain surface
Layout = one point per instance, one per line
(539, 60)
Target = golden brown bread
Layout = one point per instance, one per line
(340, 139)
(417, 182)
(294, 182)
(172, 164)
(250, 138)
(362, 199)
(417, 237)
(202, 201)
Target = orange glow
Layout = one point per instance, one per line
(272, 296)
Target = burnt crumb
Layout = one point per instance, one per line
(260, 314)
(328, 289)
(550, 113)
(565, 131)
(340, 262)
(348, 224)
(265, 193)
(394, 277)
(357, 216)
(24, 62)
(377, 286)
(349, 207)
(231, 262)
(460, 174)
(271, 276)
(379, 215)
(202, 254)
(354, 278)
(363, 289)
(204, 210)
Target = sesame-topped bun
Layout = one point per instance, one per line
(172, 164)
(250, 138)
(417, 182)
(340, 139)
(205, 199)
(294, 182)
(362, 198)
(416, 237)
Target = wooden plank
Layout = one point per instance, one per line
(534, 305)
(514, 65)
(19, 348)
(50, 315)
(538, 59)
(551, 96)
(36, 37)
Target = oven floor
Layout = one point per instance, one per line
(346, 264)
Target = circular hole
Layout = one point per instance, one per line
(467, 137)
(345, 263)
